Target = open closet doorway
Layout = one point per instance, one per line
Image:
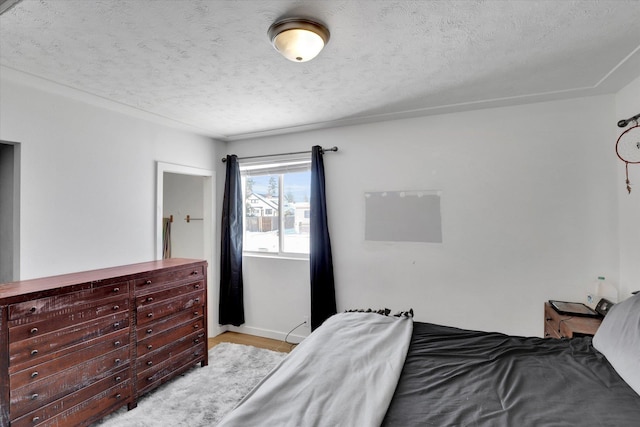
(187, 194)
(9, 211)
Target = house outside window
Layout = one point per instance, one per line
(276, 208)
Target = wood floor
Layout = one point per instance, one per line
(237, 338)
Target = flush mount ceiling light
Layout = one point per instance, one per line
(298, 39)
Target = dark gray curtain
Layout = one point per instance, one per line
(231, 310)
(323, 295)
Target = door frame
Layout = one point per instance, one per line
(209, 229)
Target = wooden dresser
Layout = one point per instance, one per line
(558, 325)
(76, 347)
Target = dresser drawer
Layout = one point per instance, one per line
(90, 350)
(31, 329)
(119, 381)
(150, 313)
(55, 305)
(158, 374)
(32, 396)
(161, 280)
(170, 349)
(94, 408)
(170, 330)
(159, 296)
(57, 343)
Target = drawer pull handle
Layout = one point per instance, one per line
(150, 315)
(150, 363)
(34, 352)
(34, 396)
(148, 282)
(150, 299)
(116, 289)
(200, 335)
(118, 379)
(117, 361)
(195, 272)
(34, 374)
(35, 419)
(149, 331)
(116, 307)
(198, 299)
(33, 309)
(197, 286)
(116, 325)
(118, 396)
(117, 343)
(34, 330)
(195, 313)
(149, 378)
(548, 319)
(196, 326)
(196, 341)
(149, 347)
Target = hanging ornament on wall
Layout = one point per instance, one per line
(628, 146)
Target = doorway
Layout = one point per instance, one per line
(186, 191)
(9, 211)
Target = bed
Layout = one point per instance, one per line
(366, 369)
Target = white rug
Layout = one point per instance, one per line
(202, 396)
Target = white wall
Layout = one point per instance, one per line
(628, 105)
(528, 207)
(528, 214)
(88, 179)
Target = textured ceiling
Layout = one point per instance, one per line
(208, 65)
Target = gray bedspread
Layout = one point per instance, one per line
(455, 377)
(342, 375)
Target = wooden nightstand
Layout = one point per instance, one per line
(558, 325)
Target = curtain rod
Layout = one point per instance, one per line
(324, 150)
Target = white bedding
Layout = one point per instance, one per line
(343, 374)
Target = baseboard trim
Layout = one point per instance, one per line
(266, 333)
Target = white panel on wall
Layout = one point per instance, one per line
(403, 216)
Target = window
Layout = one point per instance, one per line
(276, 195)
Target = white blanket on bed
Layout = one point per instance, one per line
(343, 374)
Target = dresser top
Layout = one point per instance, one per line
(9, 292)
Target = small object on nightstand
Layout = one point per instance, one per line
(573, 308)
(603, 306)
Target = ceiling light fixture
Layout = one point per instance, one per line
(298, 39)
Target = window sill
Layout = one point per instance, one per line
(275, 256)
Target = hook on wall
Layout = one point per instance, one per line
(189, 219)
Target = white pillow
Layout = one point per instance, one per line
(618, 338)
